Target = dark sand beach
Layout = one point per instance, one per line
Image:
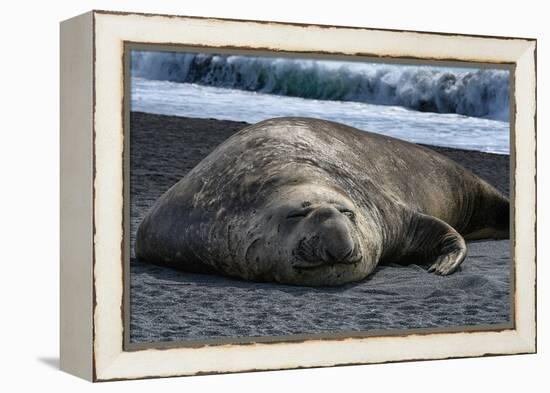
(169, 305)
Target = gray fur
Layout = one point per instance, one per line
(312, 202)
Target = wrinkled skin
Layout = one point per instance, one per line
(311, 202)
(311, 235)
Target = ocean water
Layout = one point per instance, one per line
(193, 100)
(464, 108)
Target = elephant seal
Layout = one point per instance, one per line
(312, 202)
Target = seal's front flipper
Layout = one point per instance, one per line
(433, 242)
(451, 258)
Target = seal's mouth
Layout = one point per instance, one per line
(352, 262)
(326, 266)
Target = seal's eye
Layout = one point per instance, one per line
(348, 213)
(298, 213)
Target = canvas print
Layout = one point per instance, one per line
(277, 197)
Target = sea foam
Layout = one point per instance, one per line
(465, 91)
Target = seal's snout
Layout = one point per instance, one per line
(336, 241)
(333, 242)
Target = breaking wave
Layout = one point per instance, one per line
(469, 92)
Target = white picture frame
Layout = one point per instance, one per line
(93, 192)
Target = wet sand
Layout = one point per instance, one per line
(170, 305)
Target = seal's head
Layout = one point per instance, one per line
(310, 235)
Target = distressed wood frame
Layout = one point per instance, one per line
(93, 249)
